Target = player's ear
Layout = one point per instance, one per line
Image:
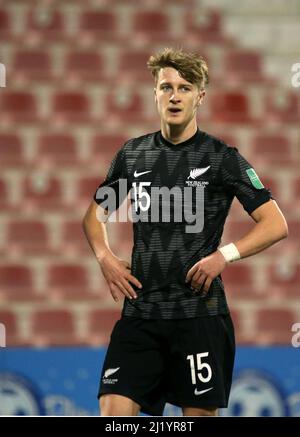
(200, 97)
(155, 95)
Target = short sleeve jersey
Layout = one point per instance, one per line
(198, 180)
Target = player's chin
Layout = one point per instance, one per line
(174, 120)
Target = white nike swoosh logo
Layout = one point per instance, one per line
(200, 392)
(136, 174)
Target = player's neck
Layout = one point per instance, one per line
(178, 134)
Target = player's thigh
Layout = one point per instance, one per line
(134, 365)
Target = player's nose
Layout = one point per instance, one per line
(174, 98)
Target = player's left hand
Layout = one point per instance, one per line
(205, 271)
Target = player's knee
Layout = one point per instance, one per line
(115, 405)
(200, 411)
(108, 406)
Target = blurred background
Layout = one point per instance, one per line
(75, 86)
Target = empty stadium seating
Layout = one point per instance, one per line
(32, 65)
(11, 150)
(274, 325)
(19, 107)
(28, 237)
(57, 149)
(53, 327)
(69, 282)
(16, 283)
(84, 66)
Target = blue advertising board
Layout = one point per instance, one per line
(64, 381)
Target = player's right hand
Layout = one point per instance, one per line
(118, 276)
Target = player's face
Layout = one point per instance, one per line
(177, 99)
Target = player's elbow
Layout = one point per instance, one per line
(285, 230)
(281, 230)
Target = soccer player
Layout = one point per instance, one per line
(175, 339)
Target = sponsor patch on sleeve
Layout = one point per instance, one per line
(255, 181)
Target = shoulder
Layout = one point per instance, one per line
(217, 145)
(144, 140)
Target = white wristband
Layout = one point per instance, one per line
(230, 252)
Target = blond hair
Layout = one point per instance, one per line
(191, 66)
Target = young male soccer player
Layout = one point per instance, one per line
(175, 340)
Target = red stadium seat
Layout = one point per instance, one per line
(243, 65)
(58, 149)
(5, 25)
(100, 325)
(71, 107)
(53, 328)
(84, 65)
(44, 24)
(294, 229)
(73, 239)
(272, 149)
(133, 65)
(4, 196)
(284, 279)
(230, 107)
(99, 25)
(238, 275)
(32, 65)
(11, 151)
(151, 26)
(205, 28)
(19, 106)
(239, 282)
(16, 283)
(125, 107)
(282, 108)
(27, 237)
(68, 282)
(296, 186)
(42, 192)
(273, 326)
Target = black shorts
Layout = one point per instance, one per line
(185, 362)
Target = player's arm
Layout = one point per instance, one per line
(270, 228)
(116, 271)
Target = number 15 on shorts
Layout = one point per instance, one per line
(199, 367)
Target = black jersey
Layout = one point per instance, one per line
(165, 248)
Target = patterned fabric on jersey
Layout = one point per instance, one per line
(163, 252)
